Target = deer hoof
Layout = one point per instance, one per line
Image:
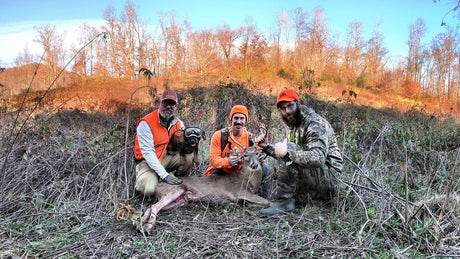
(149, 222)
(148, 228)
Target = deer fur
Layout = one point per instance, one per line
(236, 187)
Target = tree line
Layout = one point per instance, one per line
(300, 48)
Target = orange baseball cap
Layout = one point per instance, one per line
(239, 109)
(287, 95)
(169, 94)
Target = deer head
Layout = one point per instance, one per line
(250, 158)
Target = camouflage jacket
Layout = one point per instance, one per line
(316, 142)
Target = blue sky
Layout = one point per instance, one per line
(19, 17)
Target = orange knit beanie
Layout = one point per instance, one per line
(239, 109)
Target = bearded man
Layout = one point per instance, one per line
(153, 134)
(309, 159)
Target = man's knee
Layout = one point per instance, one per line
(146, 190)
(218, 172)
(264, 170)
(146, 179)
(180, 165)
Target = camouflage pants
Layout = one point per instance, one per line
(294, 181)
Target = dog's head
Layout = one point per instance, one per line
(193, 135)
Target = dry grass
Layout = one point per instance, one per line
(66, 174)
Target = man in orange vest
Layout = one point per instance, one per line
(227, 141)
(153, 134)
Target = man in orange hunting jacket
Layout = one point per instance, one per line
(152, 137)
(227, 141)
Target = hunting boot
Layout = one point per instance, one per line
(279, 207)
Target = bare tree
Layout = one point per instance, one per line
(86, 60)
(51, 42)
(173, 49)
(248, 32)
(24, 57)
(203, 48)
(312, 37)
(132, 40)
(319, 39)
(353, 63)
(283, 28)
(375, 55)
(153, 54)
(112, 26)
(301, 18)
(301, 48)
(415, 59)
(258, 49)
(444, 49)
(226, 38)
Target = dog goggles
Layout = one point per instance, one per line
(192, 131)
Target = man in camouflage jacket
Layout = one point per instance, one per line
(310, 158)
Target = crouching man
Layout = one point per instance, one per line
(153, 134)
(309, 159)
(228, 141)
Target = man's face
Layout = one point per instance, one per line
(238, 121)
(167, 109)
(290, 113)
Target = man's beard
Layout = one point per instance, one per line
(292, 120)
(166, 114)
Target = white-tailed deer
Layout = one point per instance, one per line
(236, 187)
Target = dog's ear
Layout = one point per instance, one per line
(203, 134)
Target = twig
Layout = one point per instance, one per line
(365, 211)
(41, 214)
(375, 184)
(10, 144)
(125, 169)
(406, 182)
(276, 240)
(94, 167)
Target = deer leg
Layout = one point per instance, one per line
(255, 199)
(151, 213)
(180, 201)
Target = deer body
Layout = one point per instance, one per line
(236, 187)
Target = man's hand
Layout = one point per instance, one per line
(261, 157)
(281, 148)
(171, 179)
(233, 159)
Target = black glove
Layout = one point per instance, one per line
(171, 179)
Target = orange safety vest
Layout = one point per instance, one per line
(161, 135)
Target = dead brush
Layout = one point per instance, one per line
(65, 179)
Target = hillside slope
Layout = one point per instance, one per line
(115, 94)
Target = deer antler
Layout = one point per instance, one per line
(236, 142)
(262, 129)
